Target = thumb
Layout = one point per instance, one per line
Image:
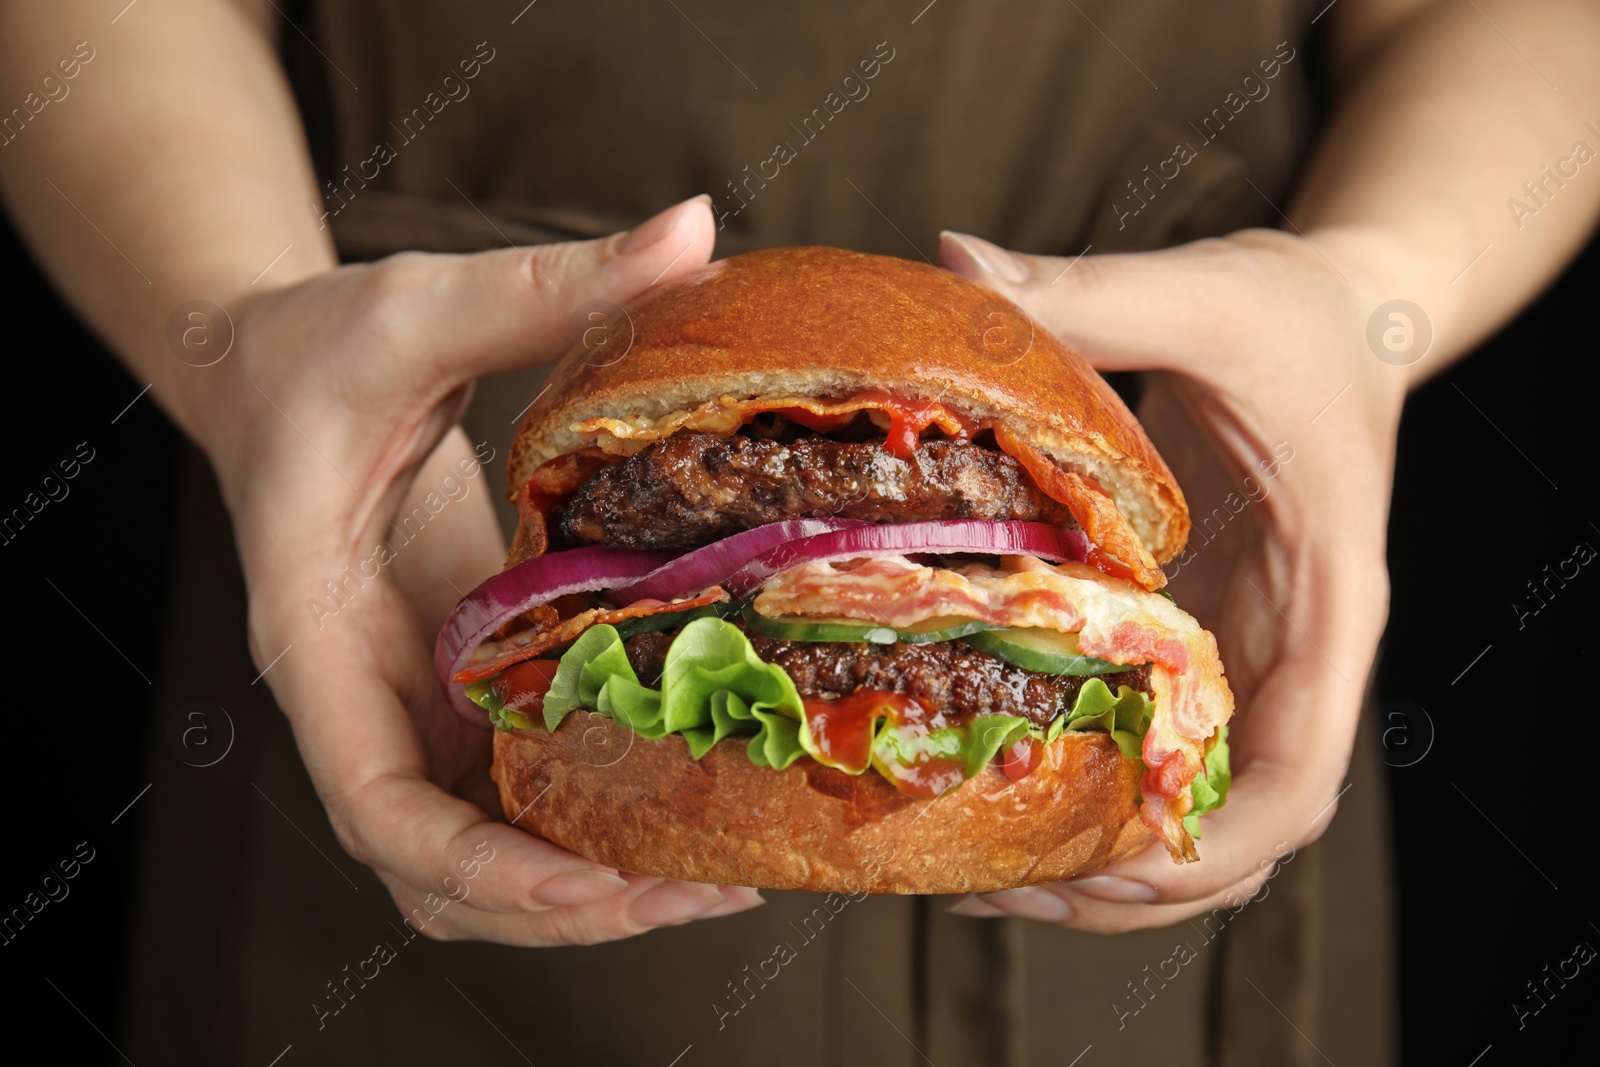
(517, 307)
(1121, 312)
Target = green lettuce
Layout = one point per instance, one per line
(1210, 790)
(1125, 716)
(713, 686)
(500, 716)
(971, 746)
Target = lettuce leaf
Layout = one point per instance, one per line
(500, 716)
(972, 746)
(1126, 716)
(1210, 790)
(712, 686)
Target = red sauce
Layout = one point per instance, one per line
(842, 729)
(1023, 758)
(907, 420)
(522, 686)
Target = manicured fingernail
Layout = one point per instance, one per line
(973, 908)
(739, 899)
(675, 902)
(1120, 890)
(578, 887)
(1032, 903)
(654, 229)
(985, 257)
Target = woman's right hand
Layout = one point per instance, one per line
(333, 420)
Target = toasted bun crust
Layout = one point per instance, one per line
(602, 791)
(826, 322)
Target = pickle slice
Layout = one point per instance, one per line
(1045, 651)
(797, 628)
(943, 628)
(804, 628)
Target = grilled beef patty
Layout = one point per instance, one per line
(694, 488)
(948, 675)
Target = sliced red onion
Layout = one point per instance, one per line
(527, 585)
(985, 537)
(704, 567)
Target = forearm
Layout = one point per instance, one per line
(1442, 120)
(174, 169)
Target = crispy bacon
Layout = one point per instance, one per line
(1114, 619)
(549, 486)
(1091, 507)
(724, 415)
(569, 630)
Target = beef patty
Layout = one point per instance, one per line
(948, 675)
(694, 488)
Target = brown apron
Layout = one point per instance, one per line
(1045, 127)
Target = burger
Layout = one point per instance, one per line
(833, 574)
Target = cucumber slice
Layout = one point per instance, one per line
(671, 620)
(1046, 651)
(809, 629)
(943, 628)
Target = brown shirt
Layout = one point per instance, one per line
(1040, 125)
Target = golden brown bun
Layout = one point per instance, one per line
(600, 790)
(826, 322)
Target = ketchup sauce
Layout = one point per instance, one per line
(843, 731)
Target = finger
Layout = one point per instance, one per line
(975, 907)
(1121, 311)
(503, 310)
(463, 545)
(1061, 905)
(648, 903)
(345, 689)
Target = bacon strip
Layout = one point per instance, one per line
(1091, 507)
(569, 630)
(724, 415)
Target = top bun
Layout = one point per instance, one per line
(824, 322)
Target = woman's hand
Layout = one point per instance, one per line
(340, 397)
(1267, 390)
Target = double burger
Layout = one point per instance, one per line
(832, 574)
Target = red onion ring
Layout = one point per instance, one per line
(527, 585)
(699, 570)
(988, 537)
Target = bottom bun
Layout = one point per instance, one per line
(600, 790)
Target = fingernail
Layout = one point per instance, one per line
(973, 908)
(981, 258)
(1120, 890)
(578, 887)
(654, 229)
(674, 902)
(738, 899)
(1032, 903)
